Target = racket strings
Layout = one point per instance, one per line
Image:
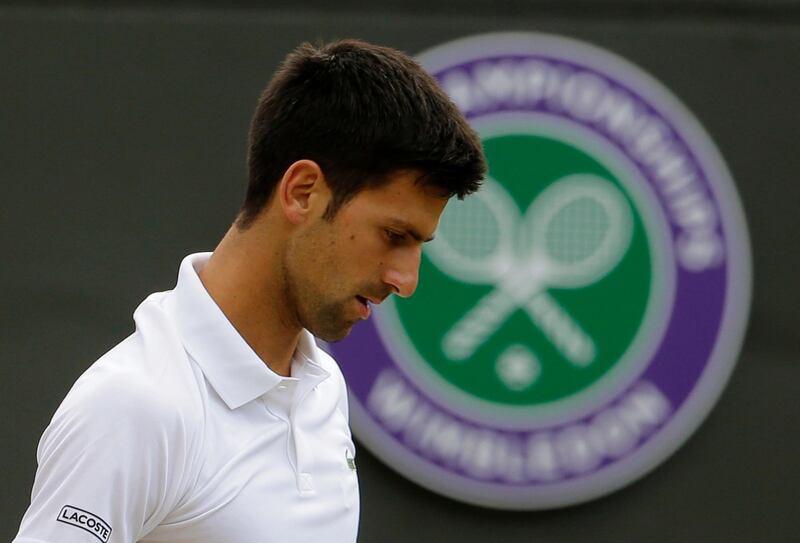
(471, 230)
(577, 231)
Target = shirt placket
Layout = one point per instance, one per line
(285, 400)
(280, 401)
(311, 377)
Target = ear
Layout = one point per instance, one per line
(303, 191)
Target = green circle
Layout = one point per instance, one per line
(610, 310)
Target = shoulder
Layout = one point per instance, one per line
(130, 375)
(124, 443)
(134, 396)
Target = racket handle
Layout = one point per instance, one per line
(561, 329)
(480, 322)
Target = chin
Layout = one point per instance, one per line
(333, 335)
(330, 322)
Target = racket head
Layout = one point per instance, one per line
(474, 242)
(579, 229)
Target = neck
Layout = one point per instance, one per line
(245, 279)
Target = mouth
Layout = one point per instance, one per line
(365, 308)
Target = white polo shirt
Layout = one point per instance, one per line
(181, 433)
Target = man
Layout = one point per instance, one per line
(219, 419)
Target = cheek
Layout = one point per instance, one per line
(364, 255)
(339, 263)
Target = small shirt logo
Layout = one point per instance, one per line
(86, 521)
(351, 462)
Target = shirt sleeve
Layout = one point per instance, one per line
(110, 465)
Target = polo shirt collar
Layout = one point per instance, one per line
(229, 364)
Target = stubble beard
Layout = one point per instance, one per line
(331, 324)
(324, 319)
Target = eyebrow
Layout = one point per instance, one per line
(409, 228)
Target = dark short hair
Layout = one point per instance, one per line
(362, 112)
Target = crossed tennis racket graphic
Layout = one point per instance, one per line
(572, 235)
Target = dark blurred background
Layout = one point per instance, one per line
(122, 147)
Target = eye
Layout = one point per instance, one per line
(395, 238)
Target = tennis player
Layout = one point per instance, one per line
(219, 419)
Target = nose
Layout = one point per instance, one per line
(402, 273)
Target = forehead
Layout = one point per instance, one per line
(403, 197)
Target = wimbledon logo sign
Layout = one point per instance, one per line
(576, 318)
